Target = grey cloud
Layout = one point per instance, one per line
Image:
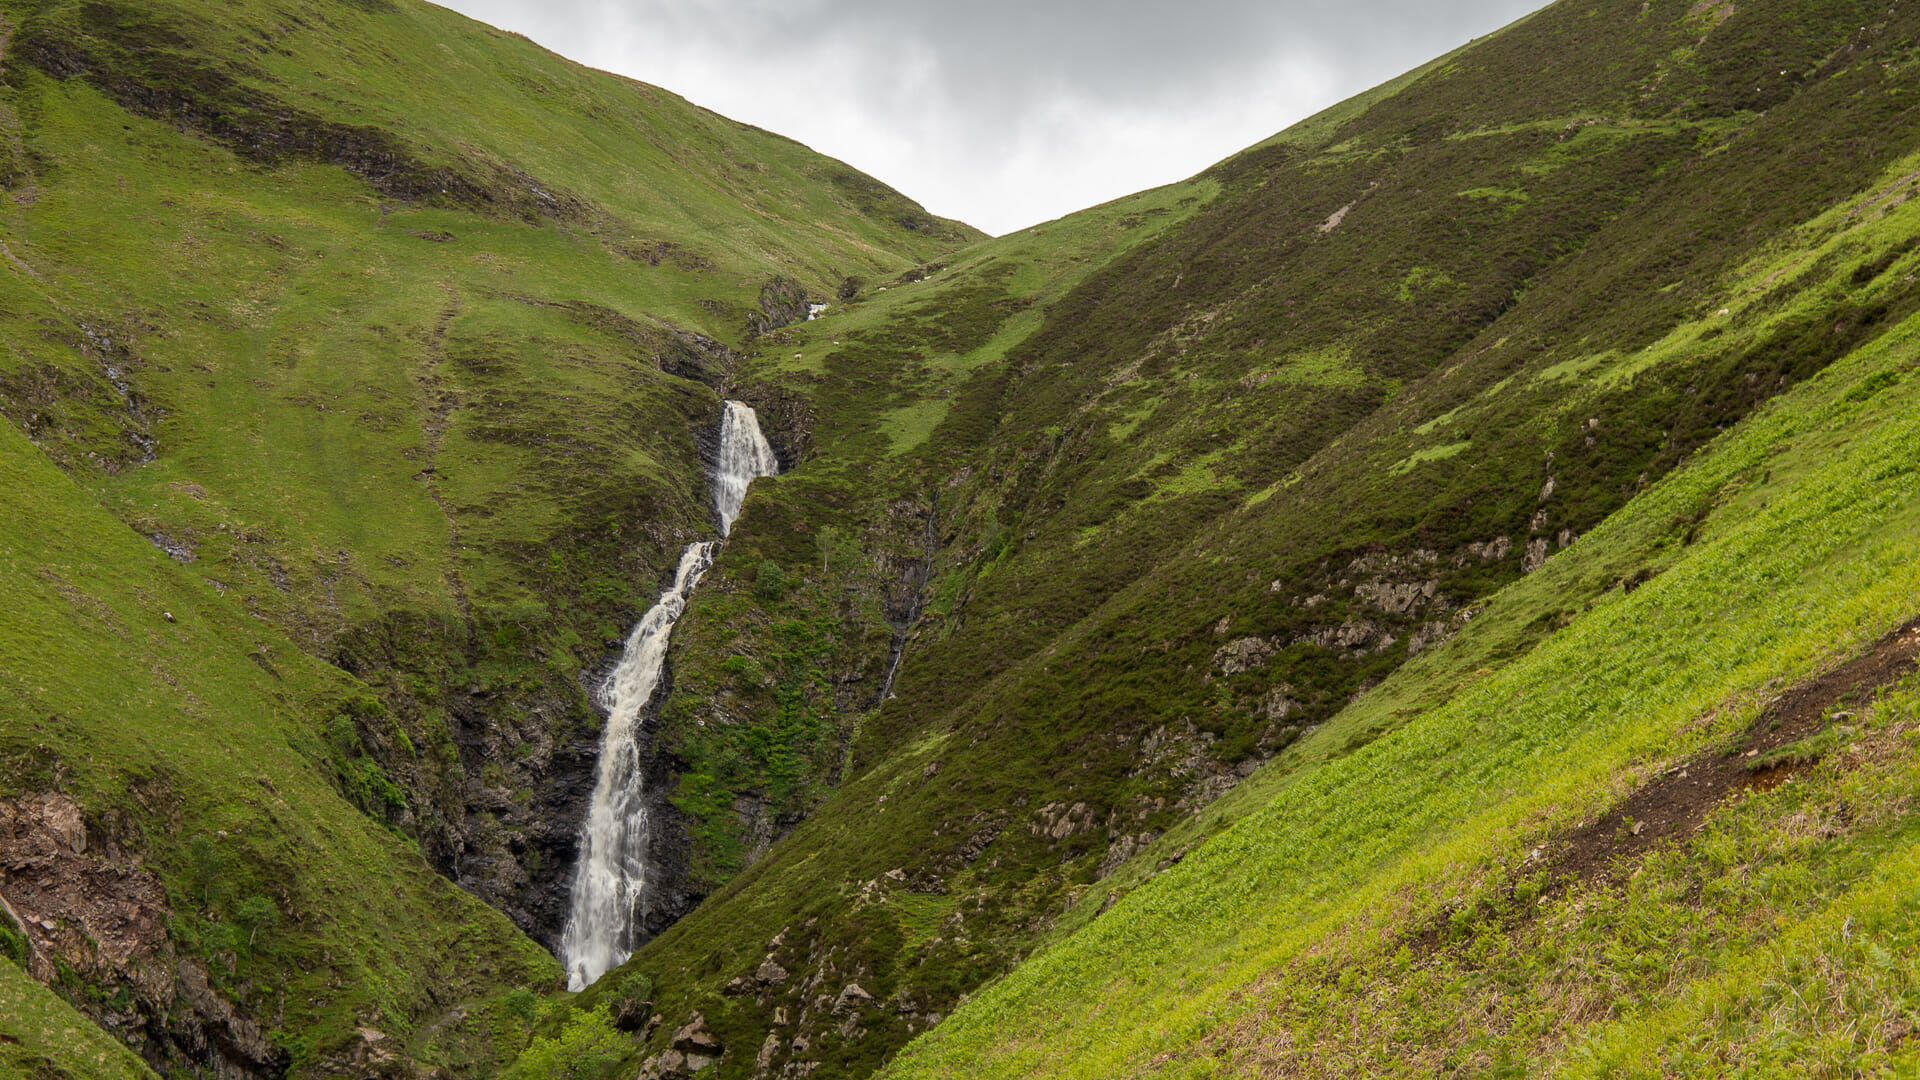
(1009, 110)
(1125, 51)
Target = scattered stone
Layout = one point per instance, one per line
(1352, 634)
(1490, 551)
(1057, 821)
(1125, 847)
(764, 1060)
(1397, 597)
(1243, 654)
(851, 998)
(1278, 704)
(1428, 634)
(1536, 555)
(694, 1038)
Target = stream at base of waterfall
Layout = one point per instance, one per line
(610, 880)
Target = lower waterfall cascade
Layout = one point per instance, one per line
(610, 879)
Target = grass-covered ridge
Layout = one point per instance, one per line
(395, 339)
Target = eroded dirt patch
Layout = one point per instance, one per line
(1673, 805)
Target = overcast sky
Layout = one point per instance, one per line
(1004, 113)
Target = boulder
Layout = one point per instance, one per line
(694, 1038)
(851, 997)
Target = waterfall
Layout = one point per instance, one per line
(744, 454)
(611, 876)
(612, 872)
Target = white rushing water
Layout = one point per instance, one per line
(744, 454)
(611, 876)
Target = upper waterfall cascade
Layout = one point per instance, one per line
(744, 455)
(610, 880)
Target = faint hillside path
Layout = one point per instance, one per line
(437, 403)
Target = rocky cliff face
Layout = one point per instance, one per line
(89, 914)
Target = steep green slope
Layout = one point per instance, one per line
(1409, 870)
(174, 836)
(1141, 536)
(46, 1037)
(383, 350)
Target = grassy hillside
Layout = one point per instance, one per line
(45, 1036)
(1443, 868)
(1427, 593)
(1189, 514)
(357, 361)
(208, 891)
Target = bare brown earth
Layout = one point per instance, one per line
(1672, 806)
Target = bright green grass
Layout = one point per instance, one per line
(1434, 424)
(1323, 368)
(45, 1037)
(660, 167)
(226, 715)
(310, 372)
(1770, 939)
(911, 425)
(1826, 565)
(1830, 984)
(1431, 453)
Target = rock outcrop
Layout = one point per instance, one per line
(86, 906)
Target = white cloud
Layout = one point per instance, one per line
(1004, 113)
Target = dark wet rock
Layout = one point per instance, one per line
(783, 302)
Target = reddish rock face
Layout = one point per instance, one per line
(90, 905)
(89, 909)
